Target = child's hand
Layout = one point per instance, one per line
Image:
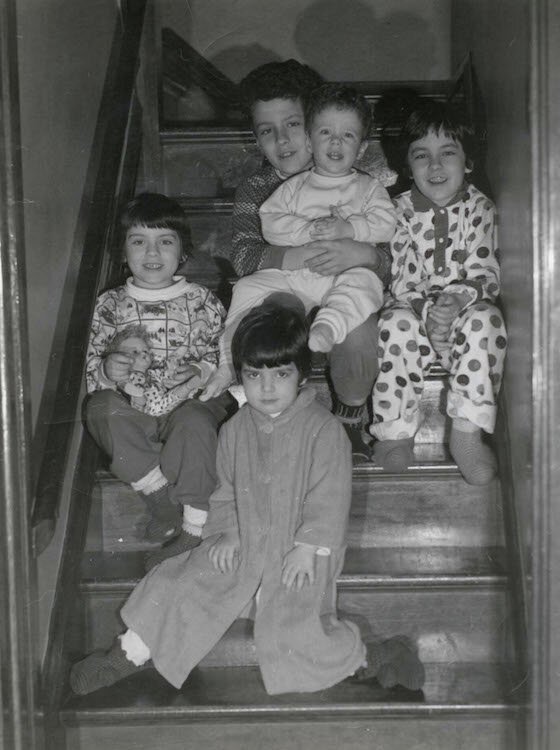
(298, 565)
(224, 553)
(117, 366)
(217, 384)
(178, 372)
(188, 389)
(437, 333)
(332, 227)
(446, 308)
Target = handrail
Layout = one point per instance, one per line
(107, 183)
(183, 66)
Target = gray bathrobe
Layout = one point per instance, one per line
(280, 480)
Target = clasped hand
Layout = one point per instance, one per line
(440, 318)
(333, 227)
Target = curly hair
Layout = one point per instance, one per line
(136, 329)
(340, 97)
(278, 80)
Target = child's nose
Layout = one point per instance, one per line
(267, 384)
(282, 135)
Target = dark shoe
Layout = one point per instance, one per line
(101, 669)
(183, 543)
(394, 455)
(393, 662)
(361, 451)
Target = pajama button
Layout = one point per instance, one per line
(439, 269)
(267, 428)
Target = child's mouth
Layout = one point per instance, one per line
(335, 156)
(437, 180)
(152, 266)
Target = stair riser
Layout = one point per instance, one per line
(208, 170)
(392, 733)
(450, 625)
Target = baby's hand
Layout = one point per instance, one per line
(298, 565)
(117, 366)
(332, 227)
(224, 553)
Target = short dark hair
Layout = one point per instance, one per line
(341, 97)
(157, 211)
(135, 329)
(272, 335)
(289, 79)
(430, 114)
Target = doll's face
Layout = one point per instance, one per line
(139, 350)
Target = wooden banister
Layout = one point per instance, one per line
(110, 180)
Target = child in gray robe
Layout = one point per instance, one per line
(275, 536)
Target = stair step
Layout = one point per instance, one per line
(462, 705)
(429, 504)
(213, 161)
(451, 601)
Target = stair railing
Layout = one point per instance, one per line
(110, 180)
(183, 67)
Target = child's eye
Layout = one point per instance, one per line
(451, 152)
(349, 135)
(136, 241)
(417, 157)
(294, 124)
(252, 375)
(324, 131)
(264, 131)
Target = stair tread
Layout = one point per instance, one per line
(394, 566)
(428, 457)
(237, 693)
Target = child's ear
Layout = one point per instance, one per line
(469, 166)
(308, 143)
(362, 150)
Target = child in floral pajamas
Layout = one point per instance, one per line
(168, 458)
(445, 280)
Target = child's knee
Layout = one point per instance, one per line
(101, 405)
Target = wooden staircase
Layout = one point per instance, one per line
(426, 558)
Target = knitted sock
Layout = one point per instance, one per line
(166, 516)
(321, 337)
(351, 418)
(101, 669)
(394, 455)
(474, 458)
(182, 543)
(393, 662)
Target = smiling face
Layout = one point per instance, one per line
(271, 390)
(153, 256)
(438, 166)
(335, 139)
(278, 126)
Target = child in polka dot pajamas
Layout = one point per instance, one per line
(445, 279)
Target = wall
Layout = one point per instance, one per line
(349, 40)
(63, 51)
(498, 32)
